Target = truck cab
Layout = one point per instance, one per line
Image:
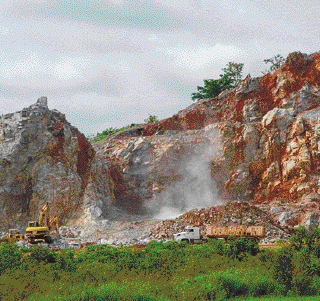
(189, 234)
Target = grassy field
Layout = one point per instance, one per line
(163, 271)
(305, 298)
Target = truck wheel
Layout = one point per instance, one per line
(48, 239)
(185, 240)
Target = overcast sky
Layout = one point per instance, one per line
(112, 63)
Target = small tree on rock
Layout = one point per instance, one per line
(231, 78)
(276, 62)
(151, 119)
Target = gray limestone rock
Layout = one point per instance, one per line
(283, 218)
(281, 118)
(42, 159)
(275, 210)
(104, 241)
(313, 221)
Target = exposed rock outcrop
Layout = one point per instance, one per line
(42, 159)
(257, 142)
(266, 145)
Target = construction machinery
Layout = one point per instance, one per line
(38, 231)
(192, 234)
(13, 236)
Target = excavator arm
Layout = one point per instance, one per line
(55, 222)
(44, 213)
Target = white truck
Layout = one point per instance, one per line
(192, 234)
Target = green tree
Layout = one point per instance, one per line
(283, 266)
(241, 247)
(213, 87)
(151, 119)
(232, 75)
(276, 62)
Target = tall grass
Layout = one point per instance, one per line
(163, 271)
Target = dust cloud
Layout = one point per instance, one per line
(196, 188)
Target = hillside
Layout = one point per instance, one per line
(256, 143)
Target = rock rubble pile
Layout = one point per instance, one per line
(230, 214)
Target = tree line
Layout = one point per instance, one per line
(230, 78)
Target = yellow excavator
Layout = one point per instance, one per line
(13, 236)
(38, 231)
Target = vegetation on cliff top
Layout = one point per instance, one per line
(231, 78)
(108, 133)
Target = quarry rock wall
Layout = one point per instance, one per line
(259, 142)
(263, 145)
(42, 159)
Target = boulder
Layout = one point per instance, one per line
(272, 173)
(94, 212)
(54, 235)
(280, 118)
(42, 157)
(69, 234)
(312, 221)
(104, 241)
(275, 210)
(63, 230)
(283, 218)
(297, 128)
(250, 111)
(249, 84)
(251, 138)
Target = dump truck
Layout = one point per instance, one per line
(38, 231)
(192, 234)
(13, 236)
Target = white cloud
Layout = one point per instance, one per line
(118, 72)
(67, 68)
(198, 57)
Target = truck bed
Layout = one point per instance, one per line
(245, 231)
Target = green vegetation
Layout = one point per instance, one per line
(108, 133)
(230, 78)
(151, 119)
(164, 271)
(276, 62)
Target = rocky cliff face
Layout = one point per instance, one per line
(258, 142)
(42, 159)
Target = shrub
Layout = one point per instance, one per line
(302, 285)
(283, 266)
(298, 238)
(101, 253)
(163, 257)
(10, 256)
(151, 119)
(109, 132)
(230, 78)
(41, 253)
(22, 281)
(276, 62)
(242, 247)
(112, 291)
(65, 261)
(226, 284)
(218, 247)
(302, 263)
